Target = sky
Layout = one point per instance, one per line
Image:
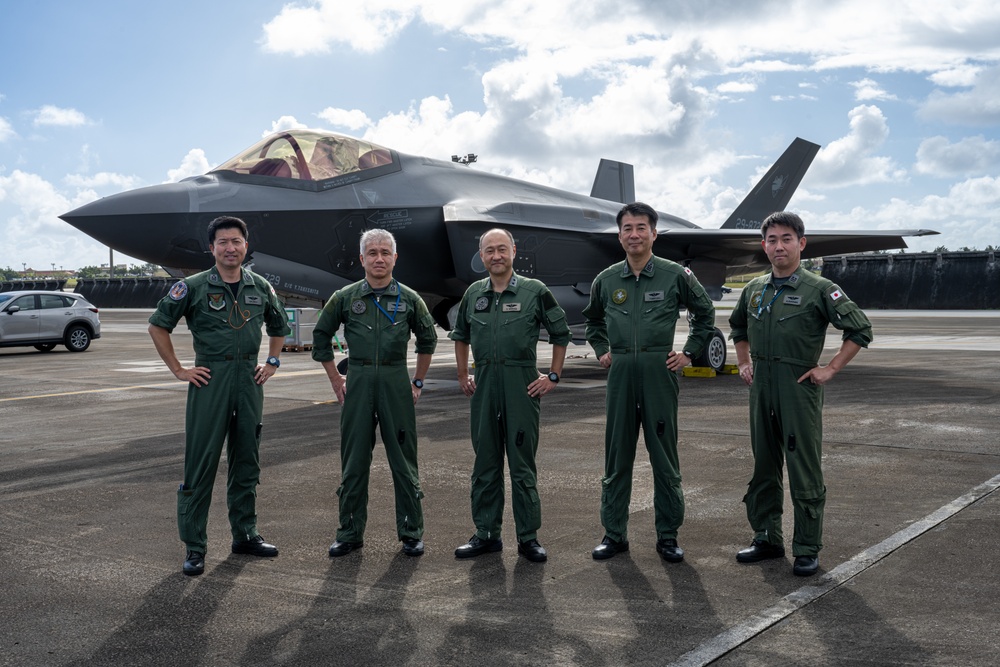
(903, 96)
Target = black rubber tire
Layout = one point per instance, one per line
(77, 338)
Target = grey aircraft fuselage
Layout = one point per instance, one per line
(307, 195)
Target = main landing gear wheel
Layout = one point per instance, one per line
(714, 354)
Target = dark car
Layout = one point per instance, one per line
(46, 319)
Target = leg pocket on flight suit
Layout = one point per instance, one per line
(184, 496)
(810, 503)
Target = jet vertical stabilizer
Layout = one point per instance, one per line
(615, 181)
(776, 188)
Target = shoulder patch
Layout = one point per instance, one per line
(836, 294)
(179, 290)
(687, 271)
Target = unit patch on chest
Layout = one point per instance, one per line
(619, 296)
(512, 308)
(217, 301)
(755, 300)
(482, 303)
(359, 307)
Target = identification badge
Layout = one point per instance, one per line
(793, 300)
(619, 296)
(216, 301)
(653, 296)
(396, 307)
(482, 303)
(512, 308)
(253, 300)
(359, 307)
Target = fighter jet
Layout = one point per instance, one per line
(307, 195)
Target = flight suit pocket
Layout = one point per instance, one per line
(184, 497)
(619, 326)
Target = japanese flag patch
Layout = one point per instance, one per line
(836, 294)
(687, 271)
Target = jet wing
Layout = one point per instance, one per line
(735, 246)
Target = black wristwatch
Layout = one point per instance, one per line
(419, 384)
(274, 361)
(688, 355)
(553, 376)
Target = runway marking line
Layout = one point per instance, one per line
(716, 647)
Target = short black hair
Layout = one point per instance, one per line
(784, 219)
(227, 222)
(638, 209)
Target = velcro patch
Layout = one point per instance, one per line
(512, 308)
(179, 290)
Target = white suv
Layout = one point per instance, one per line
(46, 319)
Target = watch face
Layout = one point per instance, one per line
(419, 384)
(554, 377)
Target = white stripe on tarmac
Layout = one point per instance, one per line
(735, 636)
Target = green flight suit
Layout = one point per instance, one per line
(786, 327)
(502, 330)
(226, 332)
(377, 330)
(634, 317)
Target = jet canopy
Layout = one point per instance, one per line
(308, 155)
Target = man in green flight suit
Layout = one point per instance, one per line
(778, 328)
(225, 308)
(378, 314)
(633, 311)
(499, 318)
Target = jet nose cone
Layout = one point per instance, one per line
(149, 223)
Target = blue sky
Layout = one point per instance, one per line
(903, 96)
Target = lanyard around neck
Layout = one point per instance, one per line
(395, 310)
(761, 306)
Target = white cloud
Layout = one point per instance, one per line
(867, 90)
(353, 119)
(284, 123)
(6, 130)
(52, 115)
(364, 26)
(737, 87)
(961, 76)
(194, 164)
(967, 216)
(34, 234)
(939, 157)
(850, 160)
(103, 179)
(978, 106)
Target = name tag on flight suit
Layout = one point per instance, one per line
(394, 307)
(253, 300)
(793, 300)
(653, 296)
(512, 308)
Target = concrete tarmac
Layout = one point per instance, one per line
(92, 451)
